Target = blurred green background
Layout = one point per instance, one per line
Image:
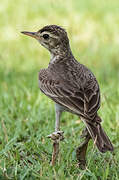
(27, 116)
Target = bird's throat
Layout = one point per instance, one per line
(58, 54)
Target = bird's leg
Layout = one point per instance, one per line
(81, 150)
(57, 135)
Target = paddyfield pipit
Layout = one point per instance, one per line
(73, 88)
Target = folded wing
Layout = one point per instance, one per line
(83, 102)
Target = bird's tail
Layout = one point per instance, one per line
(98, 135)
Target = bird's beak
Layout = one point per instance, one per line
(32, 34)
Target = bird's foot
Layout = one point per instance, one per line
(81, 156)
(82, 164)
(81, 150)
(56, 136)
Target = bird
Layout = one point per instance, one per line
(73, 88)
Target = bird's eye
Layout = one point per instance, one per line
(46, 36)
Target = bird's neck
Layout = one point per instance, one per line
(57, 54)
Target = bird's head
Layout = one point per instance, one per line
(52, 37)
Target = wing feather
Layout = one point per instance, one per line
(84, 103)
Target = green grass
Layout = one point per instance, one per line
(27, 116)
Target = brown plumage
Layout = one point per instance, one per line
(74, 87)
(71, 84)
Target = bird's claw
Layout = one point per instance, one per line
(56, 136)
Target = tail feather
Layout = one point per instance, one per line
(98, 135)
